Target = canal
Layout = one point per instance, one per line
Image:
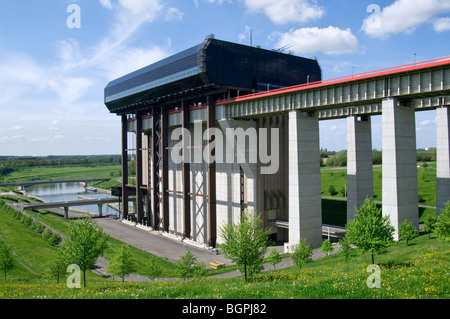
(69, 191)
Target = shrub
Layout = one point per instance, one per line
(332, 190)
(55, 239)
(47, 233)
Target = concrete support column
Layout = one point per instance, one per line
(443, 158)
(100, 210)
(305, 207)
(400, 193)
(359, 163)
(66, 212)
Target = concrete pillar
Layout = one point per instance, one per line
(100, 210)
(305, 207)
(66, 212)
(443, 158)
(399, 183)
(359, 163)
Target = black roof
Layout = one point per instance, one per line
(207, 66)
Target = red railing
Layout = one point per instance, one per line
(348, 78)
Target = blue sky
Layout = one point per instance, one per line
(52, 74)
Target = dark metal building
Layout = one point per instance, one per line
(214, 66)
(177, 91)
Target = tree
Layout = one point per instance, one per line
(121, 263)
(84, 243)
(200, 270)
(327, 247)
(57, 267)
(274, 257)
(332, 190)
(370, 230)
(302, 253)
(443, 224)
(6, 258)
(153, 269)
(346, 249)
(246, 244)
(187, 264)
(429, 224)
(407, 231)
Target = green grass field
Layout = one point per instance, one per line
(69, 172)
(416, 271)
(419, 270)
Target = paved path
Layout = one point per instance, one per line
(171, 249)
(154, 243)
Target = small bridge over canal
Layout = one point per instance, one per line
(70, 203)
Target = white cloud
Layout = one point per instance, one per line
(18, 128)
(173, 14)
(331, 41)
(442, 25)
(427, 122)
(106, 3)
(286, 11)
(403, 16)
(70, 89)
(20, 74)
(147, 9)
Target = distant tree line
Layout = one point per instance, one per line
(333, 158)
(9, 164)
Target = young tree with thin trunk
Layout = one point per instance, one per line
(57, 267)
(302, 253)
(6, 258)
(327, 247)
(407, 231)
(442, 228)
(274, 257)
(121, 263)
(370, 230)
(187, 264)
(84, 243)
(245, 243)
(153, 269)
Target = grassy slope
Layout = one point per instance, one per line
(416, 271)
(35, 252)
